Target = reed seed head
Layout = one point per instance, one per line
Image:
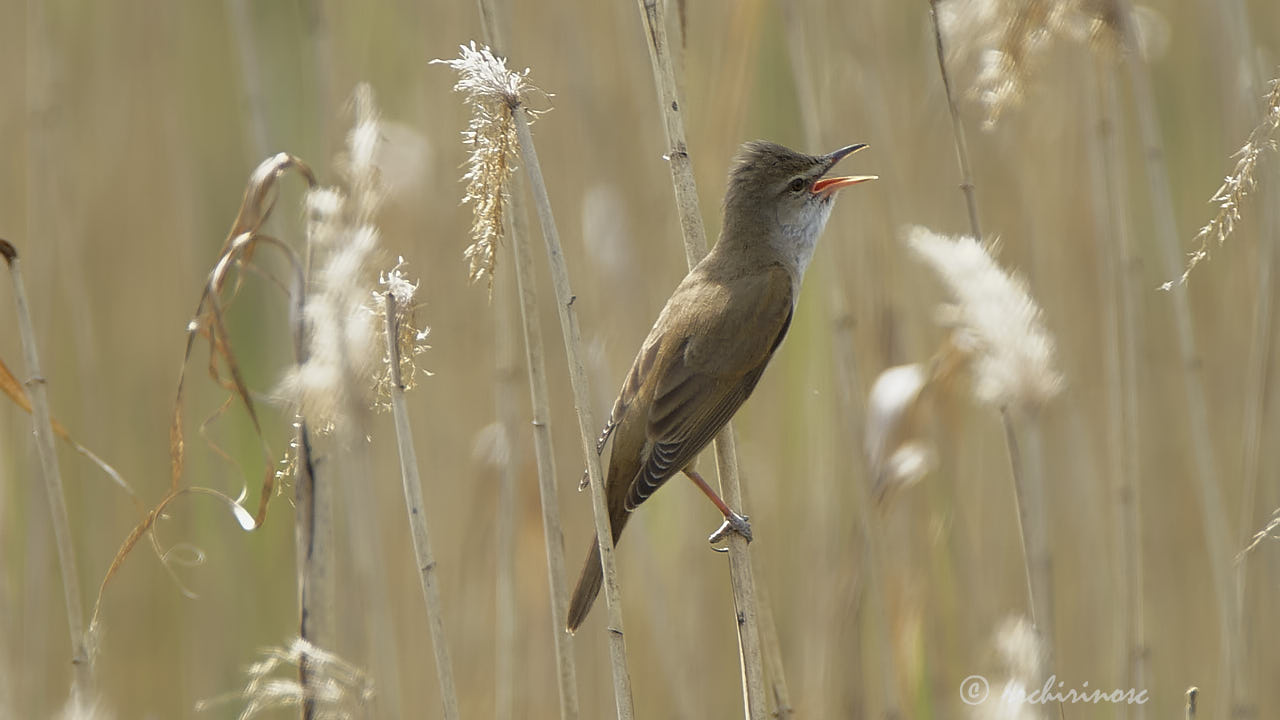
(1237, 186)
(410, 340)
(994, 320)
(494, 93)
(1007, 41)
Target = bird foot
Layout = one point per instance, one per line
(735, 523)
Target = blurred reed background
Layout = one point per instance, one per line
(129, 129)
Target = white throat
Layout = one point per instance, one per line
(796, 242)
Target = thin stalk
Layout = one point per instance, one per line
(1037, 535)
(535, 362)
(540, 399)
(418, 519)
(653, 15)
(313, 527)
(1026, 520)
(313, 537)
(582, 402)
(1204, 464)
(801, 71)
(849, 400)
(506, 385)
(1028, 471)
(505, 608)
(1122, 373)
(364, 542)
(1260, 365)
(320, 38)
(957, 129)
(37, 389)
(251, 75)
(778, 691)
(870, 522)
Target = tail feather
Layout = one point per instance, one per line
(589, 582)
(584, 595)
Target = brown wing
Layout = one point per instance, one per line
(721, 340)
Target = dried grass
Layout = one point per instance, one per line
(1236, 187)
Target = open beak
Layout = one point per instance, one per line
(827, 187)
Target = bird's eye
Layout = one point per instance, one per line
(798, 184)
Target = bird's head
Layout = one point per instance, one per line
(784, 196)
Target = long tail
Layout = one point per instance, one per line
(584, 595)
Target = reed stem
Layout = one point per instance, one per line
(540, 400)
(582, 402)
(42, 427)
(1204, 463)
(742, 578)
(957, 129)
(417, 518)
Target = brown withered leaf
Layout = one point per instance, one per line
(208, 324)
(11, 387)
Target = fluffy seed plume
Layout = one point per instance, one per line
(995, 321)
(897, 450)
(1238, 184)
(1022, 656)
(1007, 40)
(340, 351)
(899, 440)
(493, 92)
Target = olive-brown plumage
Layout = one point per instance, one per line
(715, 336)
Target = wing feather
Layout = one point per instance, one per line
(701, 388)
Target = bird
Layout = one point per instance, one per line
(715, 336)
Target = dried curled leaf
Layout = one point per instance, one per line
(223, 367)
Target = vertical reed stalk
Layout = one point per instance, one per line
(314, 543)
(778, 691)
(368, 551)
(653, 15)
(1204, 463)
(871, 524)
(1260, 367)
(582, 402)
(1032, 519)
(506, 386)
(313, 505)
(417, 517)
(540, 397)
(313, 532)
(1027, 469)
(506, 390)
(527, 298)
(37, 388)
(849, 401)
(957, 129)
(1115, 249)
(251, 75)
